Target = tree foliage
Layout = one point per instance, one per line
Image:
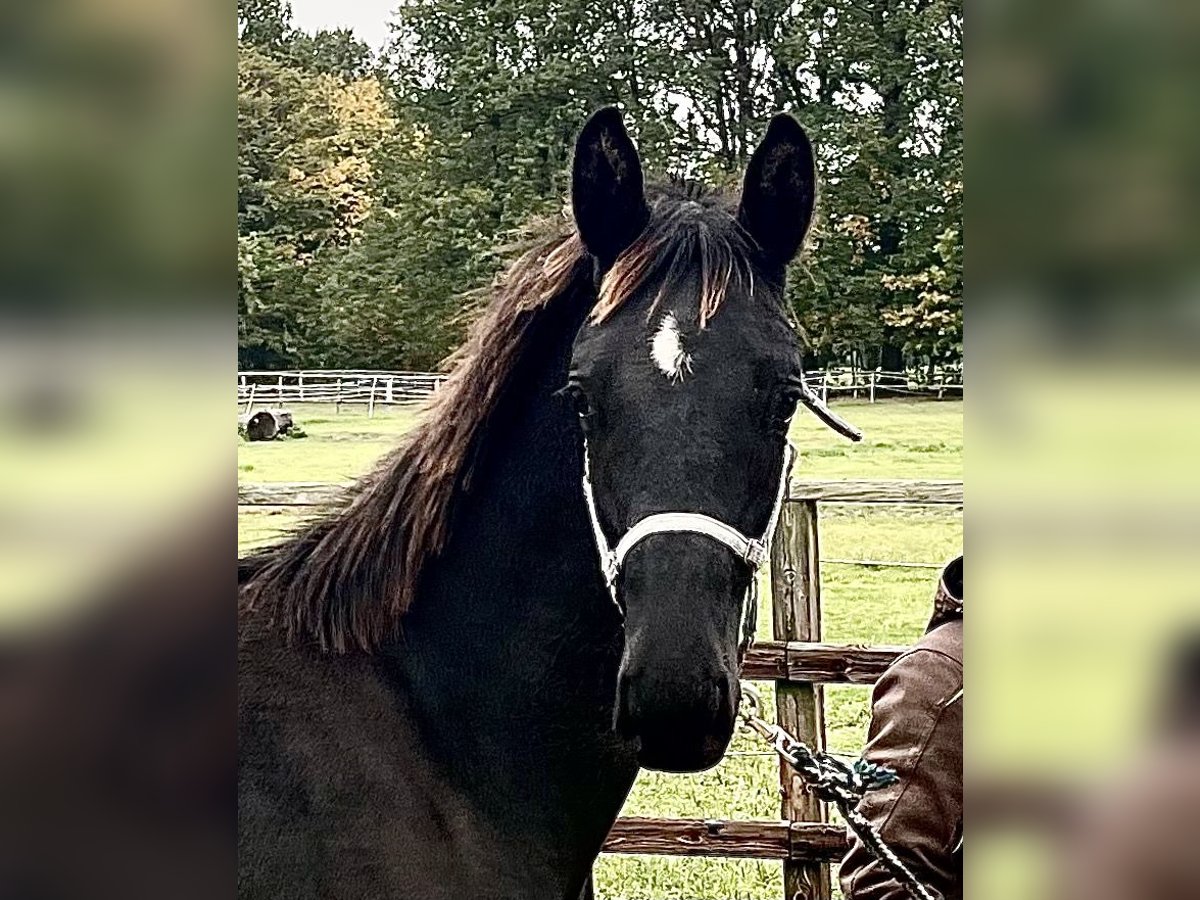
(375, 191)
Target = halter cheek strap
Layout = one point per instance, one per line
(753, 551)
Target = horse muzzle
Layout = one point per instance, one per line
(682, 724)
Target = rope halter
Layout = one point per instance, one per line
(753, 551)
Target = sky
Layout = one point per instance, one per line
(367, 18)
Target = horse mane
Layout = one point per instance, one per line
(345, 580)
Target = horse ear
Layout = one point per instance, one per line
(778, 193)
(607, 193)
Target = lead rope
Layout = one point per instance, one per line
(831, 780)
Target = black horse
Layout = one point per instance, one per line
(439, 697)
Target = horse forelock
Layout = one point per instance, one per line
(691, 237)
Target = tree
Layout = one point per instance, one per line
(336, 52)
(307, 144)
(374, 192)
(395, 296)
(264, 24)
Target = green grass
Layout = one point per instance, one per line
(920, 439)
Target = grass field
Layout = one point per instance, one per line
(920, 439)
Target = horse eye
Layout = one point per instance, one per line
(579, 400)
(783, 407)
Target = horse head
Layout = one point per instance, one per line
(685, 378)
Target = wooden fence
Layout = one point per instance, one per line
(363, 387)
(375, 388)
(796, 660)
(874, 384)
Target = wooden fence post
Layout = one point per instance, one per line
(874, 379)
(300, 385)
(825, 387)
(796, 616)
(371, 399)
(250, 397)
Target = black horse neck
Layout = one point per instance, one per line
(510, 653)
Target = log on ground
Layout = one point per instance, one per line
(268, 424)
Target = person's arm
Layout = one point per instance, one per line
(916, 730)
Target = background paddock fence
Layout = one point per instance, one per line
(350, 386)
(797, 660)
(372, 388)
(876, 384)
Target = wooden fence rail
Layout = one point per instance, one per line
(818, 663)
(745, 839)
(797, 660)
(917, 493)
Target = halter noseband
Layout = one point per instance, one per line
(753, 551)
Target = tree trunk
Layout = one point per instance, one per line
(891, 358)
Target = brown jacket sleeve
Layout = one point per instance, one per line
(916, 730)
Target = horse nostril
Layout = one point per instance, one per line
(724, 694)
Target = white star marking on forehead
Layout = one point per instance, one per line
(666, 349)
